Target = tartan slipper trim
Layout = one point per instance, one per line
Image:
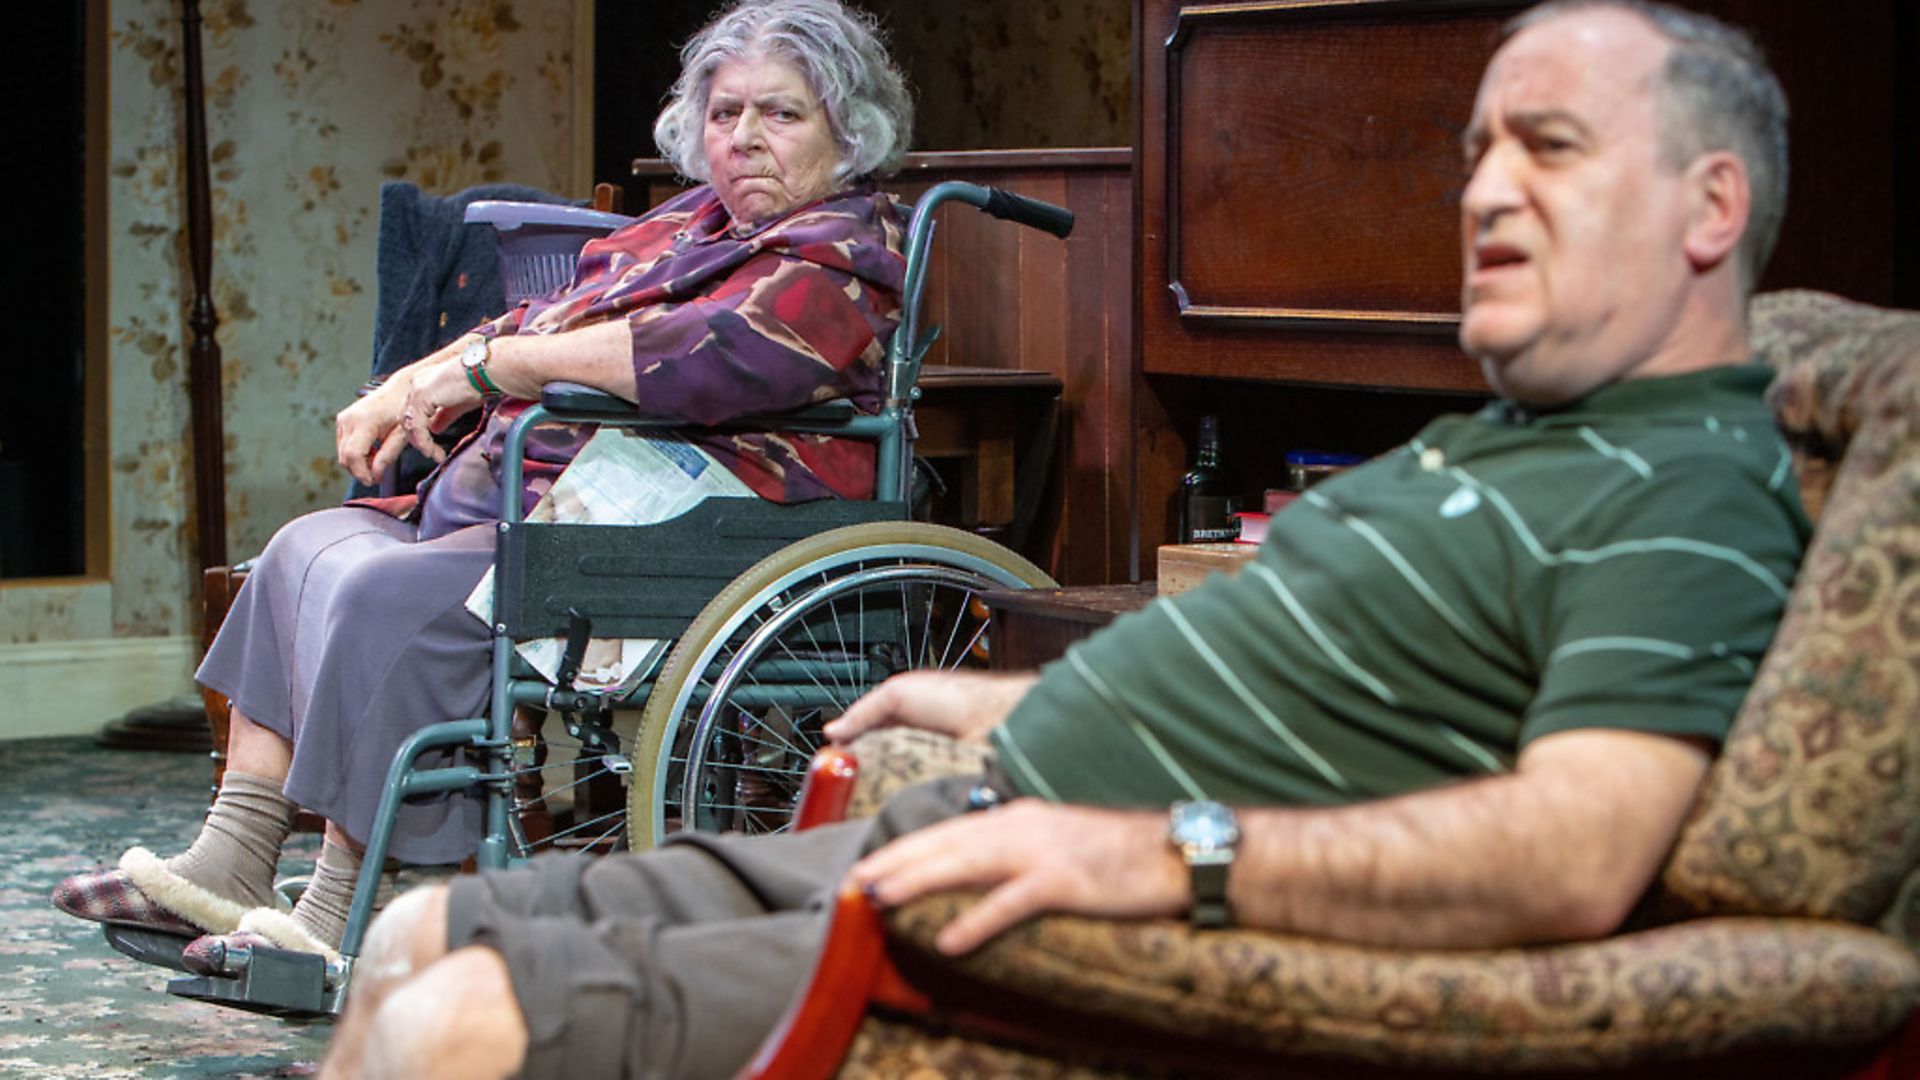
(216, 954)
(106, 896)
(144, 893)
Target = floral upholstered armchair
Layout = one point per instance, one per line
(1781, 939)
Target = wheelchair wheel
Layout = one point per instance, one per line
(737, 709)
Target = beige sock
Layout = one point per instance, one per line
(239, 845)
(322, 909)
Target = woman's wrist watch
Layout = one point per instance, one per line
(1206, 833)
(473, 360)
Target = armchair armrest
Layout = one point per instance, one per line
(892, 759)
(829, 786)
(1763, 989)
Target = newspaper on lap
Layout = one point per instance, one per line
(620, 477)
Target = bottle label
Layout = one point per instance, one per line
(1210, 518)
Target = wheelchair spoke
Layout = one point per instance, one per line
(837, 699)
(784, 745)
(559, 765)
(795, 771)
(972, 643)
(926, 630)
(833, 671)
(841, 635)
(589, 823)
(746, 808)
(906, 625)
(594, 775)
(958, 618)
(618, 828)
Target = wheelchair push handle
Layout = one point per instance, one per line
(1029, 212)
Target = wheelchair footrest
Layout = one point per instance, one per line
(149, 946)
(278, 982)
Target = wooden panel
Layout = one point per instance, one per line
(1300, 179)
(1010, 297)
(1032, 627)
(1300, 176)
(1332, 205)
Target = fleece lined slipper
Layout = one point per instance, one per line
(144, 893)
(220, 954)
(283, 931)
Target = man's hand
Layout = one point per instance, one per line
(960, 705)
(1034, 857)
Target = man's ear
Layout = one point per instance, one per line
(1722, 202)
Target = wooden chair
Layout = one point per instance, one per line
(1782, 938)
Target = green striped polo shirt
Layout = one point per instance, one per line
(1620, 562)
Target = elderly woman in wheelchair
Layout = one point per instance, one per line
(774, 285)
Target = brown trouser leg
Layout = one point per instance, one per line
(675, 962)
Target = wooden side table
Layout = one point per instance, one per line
(1034, 626)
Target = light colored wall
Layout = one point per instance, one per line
(310, 105)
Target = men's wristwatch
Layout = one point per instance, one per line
(1206, 833)
(473, 360)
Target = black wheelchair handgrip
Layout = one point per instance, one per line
(1030, 212)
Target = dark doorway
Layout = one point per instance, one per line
(42, 467)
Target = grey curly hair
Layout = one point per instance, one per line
(840, 52)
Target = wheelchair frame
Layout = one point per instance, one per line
(301, 985)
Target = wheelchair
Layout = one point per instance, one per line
(780, 616)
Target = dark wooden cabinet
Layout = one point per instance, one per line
(1299, 188)
(1300, 175)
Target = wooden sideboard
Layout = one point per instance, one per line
(1034, 626)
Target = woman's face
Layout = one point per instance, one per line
(769, 145)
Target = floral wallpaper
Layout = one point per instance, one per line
(311, 104)
(979, 68)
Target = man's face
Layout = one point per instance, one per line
(1571, 223)
(768, 141)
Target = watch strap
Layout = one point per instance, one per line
(473, 380)
(1211, 911)
(476, 369)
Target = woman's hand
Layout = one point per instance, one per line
(438, 394)
(366, 434)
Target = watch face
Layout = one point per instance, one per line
(1204, 825)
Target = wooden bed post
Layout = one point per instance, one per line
(203, 354)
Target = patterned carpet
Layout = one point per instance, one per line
(70, 1006)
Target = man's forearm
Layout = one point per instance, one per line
(1556, 852)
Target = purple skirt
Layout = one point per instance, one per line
(348, 636)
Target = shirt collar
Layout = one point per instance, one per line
(1726, 386)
